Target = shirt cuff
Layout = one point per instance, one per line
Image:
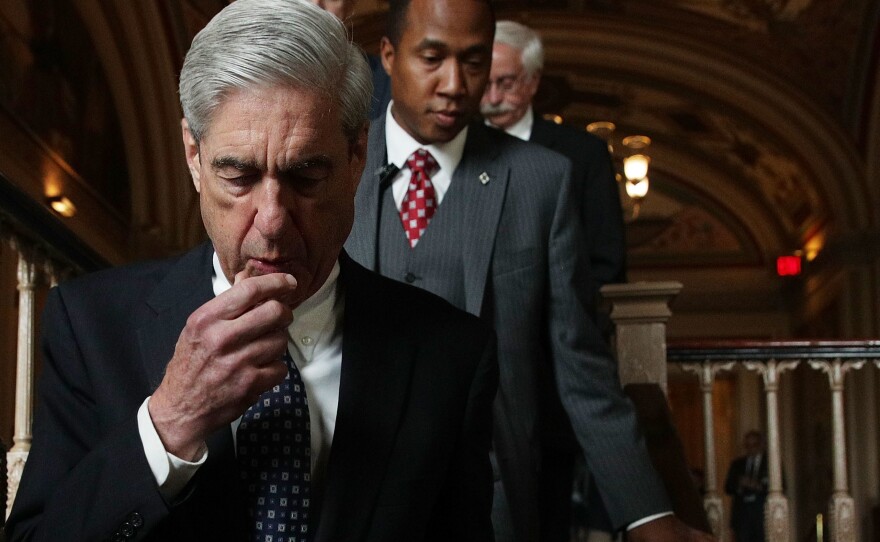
(171, 472)
(640, 522)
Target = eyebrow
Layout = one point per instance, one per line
(431, 43)
(428, 43)
(221, 162)
(320, 160)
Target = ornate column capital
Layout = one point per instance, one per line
(771, 371)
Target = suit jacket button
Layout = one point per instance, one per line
(136, 520)
(410, 278)
(126, 530)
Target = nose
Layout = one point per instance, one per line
(452, 83)
(493, 94)
(272, 216)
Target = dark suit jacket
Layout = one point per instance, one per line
(381, 88)
(596, 189)
(524, 272)
(409, 459)
(743, 497)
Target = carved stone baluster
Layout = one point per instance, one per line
(24, 380)
(841, 508)
(712, 503)
(776, 522)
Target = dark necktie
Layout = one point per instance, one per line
(274, 456)
(420, 200)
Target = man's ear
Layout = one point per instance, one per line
(386, 54)
(191, 148)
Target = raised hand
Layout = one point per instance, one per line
(228, 353)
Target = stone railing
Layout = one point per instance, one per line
(771, 360)
(640, 312)
(35, 268)
(45, 251)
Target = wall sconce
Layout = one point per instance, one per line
(635, 169)
(62, 205)
(635, 162)
(556, 119)
(814, 246)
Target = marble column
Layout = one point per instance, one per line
(24, 380)
(712, 502)
(776, 512)
(841, 508)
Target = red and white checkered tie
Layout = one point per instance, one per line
(420, 201)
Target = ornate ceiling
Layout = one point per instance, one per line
(764, 117)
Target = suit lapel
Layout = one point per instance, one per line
(184, 289)
(376, 373)
(483, 180)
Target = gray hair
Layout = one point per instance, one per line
(523, 39)
(258, 43)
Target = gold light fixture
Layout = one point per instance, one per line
(814, 246)
(635, 161)
(635, 169)
(604, 130)
(62, 205)
(556, 119)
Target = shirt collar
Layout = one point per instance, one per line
(523, 127)
(314, 318)
(400, 145)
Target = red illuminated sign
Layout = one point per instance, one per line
(788, 266)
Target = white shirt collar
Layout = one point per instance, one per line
(313, 319)
(521, 128)
(400, 145)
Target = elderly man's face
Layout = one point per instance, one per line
(276, 178)
(439, 68)
(510, 89)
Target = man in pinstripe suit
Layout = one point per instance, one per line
(517, 64)
(503, 242)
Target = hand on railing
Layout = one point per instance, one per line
(667, 529)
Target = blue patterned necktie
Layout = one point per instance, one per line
(274, 456)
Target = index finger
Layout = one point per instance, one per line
(249, 292)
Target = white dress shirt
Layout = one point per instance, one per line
(400, 146)
(315, 344)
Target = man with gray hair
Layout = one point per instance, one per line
(262, 386)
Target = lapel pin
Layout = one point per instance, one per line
(484, 177)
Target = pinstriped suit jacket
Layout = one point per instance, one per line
(521, 242)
